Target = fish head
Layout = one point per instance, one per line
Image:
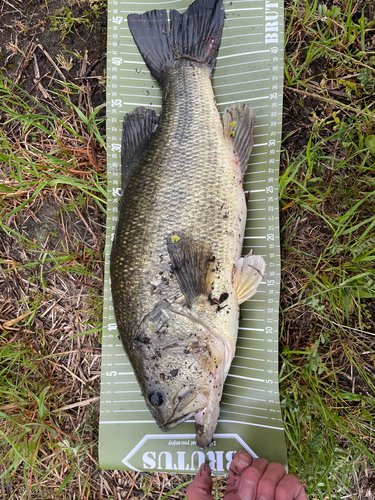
(181, 368)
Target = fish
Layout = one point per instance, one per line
(177, 275)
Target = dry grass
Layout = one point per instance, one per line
(52, 224)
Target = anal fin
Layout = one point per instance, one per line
(238, 121)
(138, 127)
(249, 274)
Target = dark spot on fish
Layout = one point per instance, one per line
(220, 308)
(199, 427)
(214, 302)
(162, 376)
(174, 372)
(143, 340)
(162, 332)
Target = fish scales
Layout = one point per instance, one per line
(187, 180)
(176, 274)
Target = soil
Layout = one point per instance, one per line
(26, 40)
(27, 46)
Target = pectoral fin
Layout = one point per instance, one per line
(249, 273)
(138, 127)
(238, 121)
(191, 263)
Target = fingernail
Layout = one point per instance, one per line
(247, 490)
(244, 459)
(204, 469)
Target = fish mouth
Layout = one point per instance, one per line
(173, 423)
(187, 396)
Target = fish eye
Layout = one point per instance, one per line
(156, 398)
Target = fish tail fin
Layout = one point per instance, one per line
(195, 34)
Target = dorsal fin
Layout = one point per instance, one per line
(138, 127)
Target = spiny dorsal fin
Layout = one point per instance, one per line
(192, 264)
(238, 121)
(249, 274)
(138, 127)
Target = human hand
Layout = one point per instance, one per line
(249, 479)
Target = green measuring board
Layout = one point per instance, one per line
(249, 69)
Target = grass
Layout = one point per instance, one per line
(52, 156)
(52, 210)
(327, 207)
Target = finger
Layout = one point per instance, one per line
(240, 462)
(290, 488)
(269, 481)
(201, 487)
(250, 479)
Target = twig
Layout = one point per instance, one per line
(308, 93)
(346, 56)
(37, 79)
(93, 65)
(24, 63)
(36, 83)
(84, 63)
(347, 327)
(79, 404)
(91, 153)
(15, 8)
(51, 61)
(67, 369)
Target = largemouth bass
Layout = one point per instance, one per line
(177, 275)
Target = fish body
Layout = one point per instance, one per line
(177, 276)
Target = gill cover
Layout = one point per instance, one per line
(177, 360)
